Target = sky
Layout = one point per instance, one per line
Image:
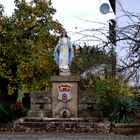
(131, 6)
(73, 14)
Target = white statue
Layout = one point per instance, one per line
(64, 53)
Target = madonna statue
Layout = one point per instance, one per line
(64, 53)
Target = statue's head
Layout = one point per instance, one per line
(64, 34)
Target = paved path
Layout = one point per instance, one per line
(66, 136)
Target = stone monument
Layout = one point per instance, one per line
(64, 87)
(63, 99)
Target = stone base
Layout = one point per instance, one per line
(65, 74)
(67, 87)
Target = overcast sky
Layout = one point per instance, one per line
(72, 13)
(132, 6)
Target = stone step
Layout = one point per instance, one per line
(60, 125)
(45, 119)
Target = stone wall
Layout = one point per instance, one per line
(40, 104)
(87, 104)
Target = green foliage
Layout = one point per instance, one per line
(114, 97)
(11, 112)
(108, 89)
(92, 62)
(6, 113)
(123, 109)
(28, 39)
(135, 93)
(88, 58)
(18, 110)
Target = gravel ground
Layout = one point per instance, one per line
(65, 136)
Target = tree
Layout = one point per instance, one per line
(125, 38)
(90, 63)
(28, 38)
(128, 38)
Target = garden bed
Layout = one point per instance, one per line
(126, 128)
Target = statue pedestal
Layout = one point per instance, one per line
(64, 96)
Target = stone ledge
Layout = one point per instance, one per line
(37, 113)
(127, 125)
(65, 78)
(126, 129)
(46, 119)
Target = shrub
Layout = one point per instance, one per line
(11, 112)
(6, 114)
(124, 109)
(107, 90)
(18, 110)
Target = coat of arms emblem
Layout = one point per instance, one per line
(64, 92)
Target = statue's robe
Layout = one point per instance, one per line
(64, 54)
